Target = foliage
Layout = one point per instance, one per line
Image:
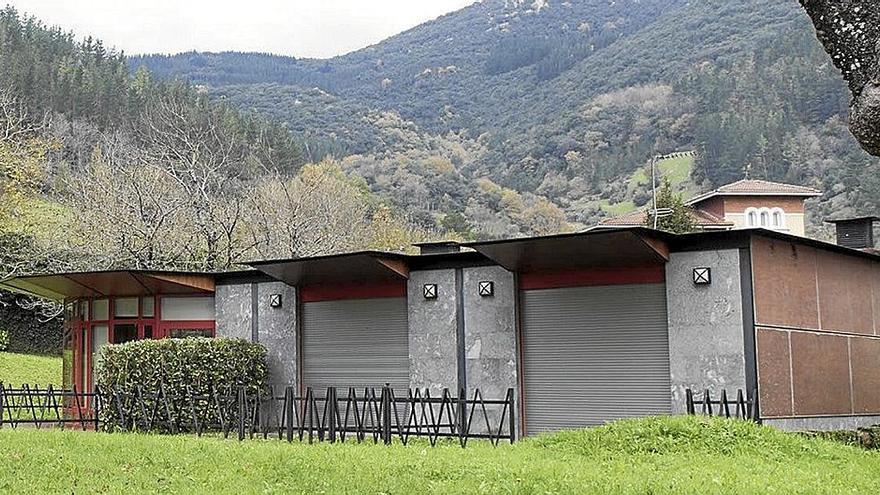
(17, 369)
(4, 340)
(175, 366)
(28, 330)
(653, 455)
(679, 220)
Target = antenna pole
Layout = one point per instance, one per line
(654, 187)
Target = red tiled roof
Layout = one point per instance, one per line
(638, 218)
(749, 187)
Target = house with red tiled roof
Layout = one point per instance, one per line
(747, 203)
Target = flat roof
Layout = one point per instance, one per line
(103, 283)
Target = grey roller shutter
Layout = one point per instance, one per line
(594, 354)
(355, 343)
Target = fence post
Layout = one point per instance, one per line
(386, 414)
(288, 412)
(510, 393)
(97, 406)
(2, 402)
(689, 402)
(241, 413)
(331, 413)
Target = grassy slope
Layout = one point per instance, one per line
(677, 170)
(669, 455)
(16, 369)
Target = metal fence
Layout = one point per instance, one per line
(377, 415)
(741, 407)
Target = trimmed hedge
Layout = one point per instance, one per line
(26, 332)
(200, 365)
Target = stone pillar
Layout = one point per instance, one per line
(433, 348)
(490, 331)
(276, 330)
(243, 311)
(706, 335)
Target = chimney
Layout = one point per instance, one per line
(439, 247)
(855, 233)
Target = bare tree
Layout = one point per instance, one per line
(850, 32)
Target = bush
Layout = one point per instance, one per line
(26, 331)
(4, 340)
(177, 367)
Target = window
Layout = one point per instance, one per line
(765, 218)
(187, 308)
(101, 309)
(778, 218)
(148, 305)
(125, 307)
(752, 217)
(124, 333)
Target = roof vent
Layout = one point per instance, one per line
(439, 247)
(855, 233)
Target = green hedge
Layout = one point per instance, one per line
(4, 340)
(26, 330)
(204, 365)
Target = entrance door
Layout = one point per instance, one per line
(594, 354)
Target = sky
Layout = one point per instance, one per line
(301, 28)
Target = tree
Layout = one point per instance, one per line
(680, 220)
(850, 32)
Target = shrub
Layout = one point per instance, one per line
(177, 367)
(27, 331)
(4, 340)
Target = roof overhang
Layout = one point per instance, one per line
(60, 286)
(713, 194)
(601, 248)
(361, 267)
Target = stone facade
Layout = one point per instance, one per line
(490, 331)
(706, 337)
(433, 331)
(236, 314)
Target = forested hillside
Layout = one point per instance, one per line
(562, 103)
(102, 167)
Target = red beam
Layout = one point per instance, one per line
(597, 276)
(337, 292)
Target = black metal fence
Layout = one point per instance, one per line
(356, 415)
(741, 407)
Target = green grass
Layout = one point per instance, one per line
(654, 455)
(677, 170)
(16, 369)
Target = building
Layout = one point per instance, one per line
(586, 327)
(743, 204)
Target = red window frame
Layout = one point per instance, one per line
(82, 329)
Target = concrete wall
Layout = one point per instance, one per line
(818, 345)
(706, 339)
(433, 347)
(275, 327)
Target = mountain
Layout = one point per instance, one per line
(568, 99)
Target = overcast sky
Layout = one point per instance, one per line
(302, 28)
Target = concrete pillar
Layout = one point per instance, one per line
(706, 335)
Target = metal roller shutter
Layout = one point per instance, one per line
(594, 354)
(355, 343)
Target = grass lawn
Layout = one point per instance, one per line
(654, 455)
(16, 369)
